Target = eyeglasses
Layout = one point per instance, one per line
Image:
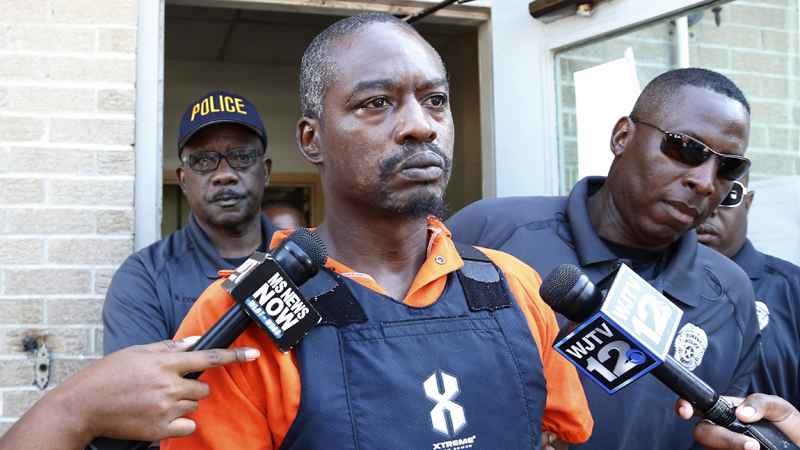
(690, 151)
(736, 196)
(208, 161)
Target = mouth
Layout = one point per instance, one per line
(227, 200)
(683, 212)
(707, 234)
(423, 166)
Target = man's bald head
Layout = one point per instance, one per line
(317, 68)
(657, 95)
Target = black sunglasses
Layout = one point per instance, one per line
(208, 161)
(736, 196)
(690, 151)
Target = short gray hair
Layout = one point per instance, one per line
(317, 68)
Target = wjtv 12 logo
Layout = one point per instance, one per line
(628, 337)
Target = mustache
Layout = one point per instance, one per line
(225, 194)
(409, 148)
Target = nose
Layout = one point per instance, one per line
(702, 178)
(224, 175)
(414, 123)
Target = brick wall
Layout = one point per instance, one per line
(67, 70)
(756, 45)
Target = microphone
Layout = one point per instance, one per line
(273, 278)
(634, 311)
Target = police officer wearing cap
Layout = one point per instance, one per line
(777, 288)
(223, 173)
(675, 158)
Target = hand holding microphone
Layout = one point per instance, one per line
(633, 327)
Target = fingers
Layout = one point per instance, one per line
(184, 407)
(717, 438)
(170, 346)
(758, 406)
(191, 389)
(180, 427)
(196, 361)
(684, 409)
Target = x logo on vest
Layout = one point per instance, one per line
(442, 389)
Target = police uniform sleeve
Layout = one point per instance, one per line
(469, 224)
(234, 413)
(566, 410)
(744, 300)
(131, 312)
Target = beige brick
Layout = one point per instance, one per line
(91, 192)
(21, 190)
(786, 139)
(102, 279)
(777, 88)
(49, 160)
(116, 100)
(115, 221)
(98, 341)
(92, 131)
(21, 251)
(15, 11)
(47, 281)
(21, 128)
(48, 221)
(774, 163)
(21, 311)
(769, 113)
(64, 368)
(111, 12)
(50, 38)
(4, 426)
(727, 36)
(759, 136)
(778, 41)
(710, 57)
(17, 373)
(758, 62)
(49, 100)
(22, 67)
(91, 69)
(3, 98)
(69, 311)
(88, 251)
(118, 40)
(755, 16)
(116, 163)
(15, 403)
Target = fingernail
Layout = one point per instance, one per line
(751, 445)
(747, 412)
(189, 340)
(251, 354)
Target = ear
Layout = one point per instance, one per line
(308, 140)
(621, 135)
(748, 199)
(180, 174)
(267, 170)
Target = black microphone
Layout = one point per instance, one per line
(570, 293)
(300, 256)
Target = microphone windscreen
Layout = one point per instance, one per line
(312, 244)
(557, 285)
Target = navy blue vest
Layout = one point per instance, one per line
(462, 373)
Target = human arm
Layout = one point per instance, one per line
(137, 393)
(754, 408)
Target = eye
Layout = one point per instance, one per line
(437, 100)
(376, 103)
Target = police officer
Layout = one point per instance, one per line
(675, 158)
(223, 173)
(777, 287)
(423, 343)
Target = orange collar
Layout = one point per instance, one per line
(442, 259)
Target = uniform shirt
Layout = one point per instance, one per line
(777, 286)
(718, 336)
(154, 288)
(252, 405)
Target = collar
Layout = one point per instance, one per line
(678, 278)
(751, 260)
(442, 258)
(209, 258)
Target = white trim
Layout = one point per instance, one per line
(149, 122)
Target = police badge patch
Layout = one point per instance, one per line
(690, 346)
(762, 313)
